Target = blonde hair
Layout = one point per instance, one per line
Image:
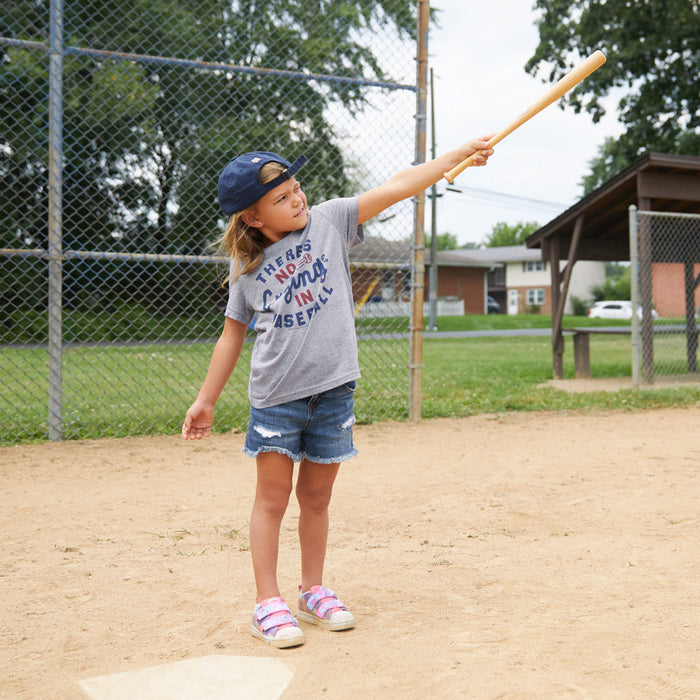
(243, 243)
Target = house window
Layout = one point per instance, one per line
(533, 266)
(388, 286)
(405, 275)
(535, 297)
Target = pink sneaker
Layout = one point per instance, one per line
(275, 624)
(320, 606)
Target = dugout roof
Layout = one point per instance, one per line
(655, 182)
(597, 228)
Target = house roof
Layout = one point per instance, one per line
(381, 250)
(501, 254)
(656, 182)
(376, 251)
(458, 258)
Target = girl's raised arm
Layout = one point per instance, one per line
(412, 181)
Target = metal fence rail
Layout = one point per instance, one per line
(665, 251)
(116, 119)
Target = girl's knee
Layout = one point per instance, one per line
(315, 485)
(273, 500)
(312, 497)
(274, 483)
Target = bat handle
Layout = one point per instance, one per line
(450, 175)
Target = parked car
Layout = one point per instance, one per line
(615, 309)
(492, 306)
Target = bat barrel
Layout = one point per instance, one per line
(559, 89)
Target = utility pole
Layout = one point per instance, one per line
(418, 265)
(433, 278)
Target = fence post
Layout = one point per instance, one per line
(418, 286)
(634, 293)
(55, 245)
(644, 250)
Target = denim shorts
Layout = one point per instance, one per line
(317, 428)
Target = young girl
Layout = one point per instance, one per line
(290, 271)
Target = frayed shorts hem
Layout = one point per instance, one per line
(317, 428)
(299, 456)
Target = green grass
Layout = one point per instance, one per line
(140, 390)
(112, 391)
(121, 323)
(504, 322)
(469, 376)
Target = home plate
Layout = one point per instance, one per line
(216, 677)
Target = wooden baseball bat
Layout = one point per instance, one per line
(570, 80)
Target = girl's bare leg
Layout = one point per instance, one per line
(313, 490)
(274, 485)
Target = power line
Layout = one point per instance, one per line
(508, 199)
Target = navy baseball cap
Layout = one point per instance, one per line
(239, 182)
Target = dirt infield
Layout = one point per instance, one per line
(514, 556)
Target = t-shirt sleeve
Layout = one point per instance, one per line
(237, 307)
(344, 211)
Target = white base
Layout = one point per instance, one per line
(216, 677)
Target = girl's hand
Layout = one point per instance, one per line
(480, 149)
(198, 421)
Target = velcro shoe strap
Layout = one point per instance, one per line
(275, 620)
(274, 606)
(320, 594)
(326, 600)
(327, 605)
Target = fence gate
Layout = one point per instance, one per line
(665, 257)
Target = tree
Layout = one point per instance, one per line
(653, 60)
(144, 141)
(610, 160)
(445, 241)
(504, 234)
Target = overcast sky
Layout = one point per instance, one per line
(477, 56)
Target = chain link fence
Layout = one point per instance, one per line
(117, 118)
(665, 251)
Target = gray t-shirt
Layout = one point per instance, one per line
(301, 297)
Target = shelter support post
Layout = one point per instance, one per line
(552, 253)
(560, 289)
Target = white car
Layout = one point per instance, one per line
(615, 309)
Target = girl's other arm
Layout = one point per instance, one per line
(412, 181)
(200, 415)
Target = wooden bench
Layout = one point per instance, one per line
(582, 351)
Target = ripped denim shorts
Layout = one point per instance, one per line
(317, 428)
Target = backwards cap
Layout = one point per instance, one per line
(240, 185)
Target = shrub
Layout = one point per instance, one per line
(578, 306)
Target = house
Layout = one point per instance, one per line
(461, 277)
(518, 279)
(668, 283)
(381, 273)
(515, 276)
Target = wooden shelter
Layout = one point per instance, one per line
(597, 228)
